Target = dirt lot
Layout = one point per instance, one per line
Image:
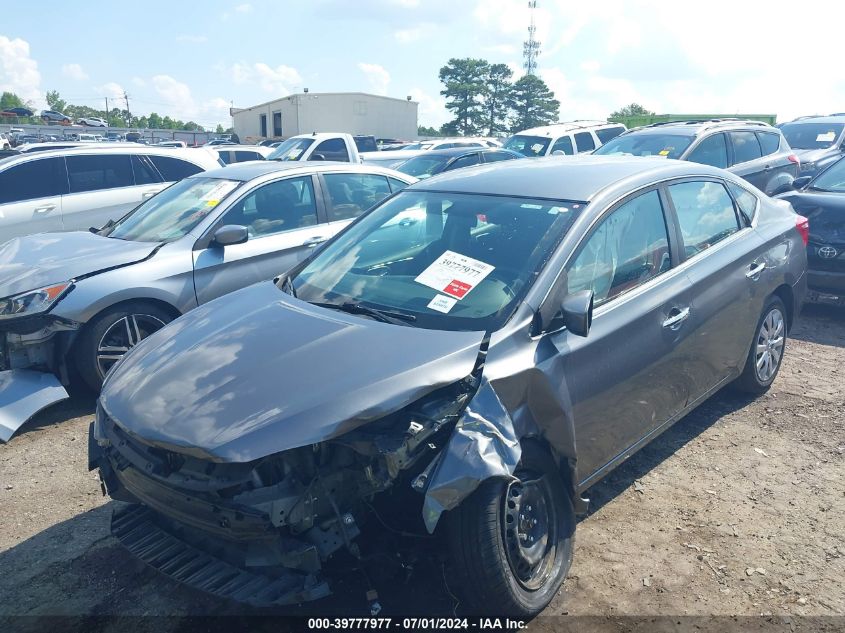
(737, 510)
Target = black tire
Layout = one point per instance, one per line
(480, 544)
(751, 381)
(92, 366)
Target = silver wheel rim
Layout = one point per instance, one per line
(769, 345)
(121, 336)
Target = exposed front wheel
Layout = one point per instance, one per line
(511, 541)
(113, 333)
(766, 354)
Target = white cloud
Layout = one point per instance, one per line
(432, 110)
(278, 81)
(74, 71)
(111, 90)
(192, 39)
(406, 36)
(18, 71)
(137, 81)
(377, 77)
(176, 95)
(246, 7)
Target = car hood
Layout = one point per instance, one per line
(257, 372)
(35, 261)
(825, 211)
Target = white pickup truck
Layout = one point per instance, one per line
(318, 146)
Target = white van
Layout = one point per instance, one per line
(78, 188)
(573, 137)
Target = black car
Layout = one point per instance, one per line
(466, 359)
(821, 199)
(753, 150)
(819, 141)
(436, 161)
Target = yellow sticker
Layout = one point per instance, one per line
(212, 203)
(663, 152)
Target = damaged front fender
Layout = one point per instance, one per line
(483, 445)
(23, 393)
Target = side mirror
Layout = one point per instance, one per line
(577, 310)
(317, 157)
(230, 234)
(800, 183)
(558, 152)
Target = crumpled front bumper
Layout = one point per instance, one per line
(23, 393)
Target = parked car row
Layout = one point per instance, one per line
(286, 347)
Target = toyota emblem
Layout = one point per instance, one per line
(827, 252)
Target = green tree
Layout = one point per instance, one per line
(55, 102)
(155, 121)
(464, 89)
(219, 129)
(427, 131)
(11, 100)
(532, 103)
(497, 93)
(634, 109)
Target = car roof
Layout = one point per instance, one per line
(577, 178)
(565, 126)
(456, 151)
(117, 148)
(832, 118)
(693, 127)
(248, 170)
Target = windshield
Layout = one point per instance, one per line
(414, 146)
(423, 166)
(451, 261)
(291, 149)
(172, 213)
(648, 144)
(811, 135)
(528, 145)
(832, 179)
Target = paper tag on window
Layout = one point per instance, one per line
(827, 137)
(454, 274)
(442, 303)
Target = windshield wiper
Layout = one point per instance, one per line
(385, 316)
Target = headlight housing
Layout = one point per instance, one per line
(32, 302)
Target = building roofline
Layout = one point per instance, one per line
(321, 94)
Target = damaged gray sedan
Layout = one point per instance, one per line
(480, 348)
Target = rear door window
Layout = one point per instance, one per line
(145, 173)
(244, 155)
(173, 169)
(584, 142)
(396, 185)
(745, 200)
(99, 172)
(745, 146)
(349, 195)
(33, 179)
(608, 133)
(711, 151)
(333, 149)
(706, 214)
(494, 156)
(769, 142)
(464, 161)
(563, 144)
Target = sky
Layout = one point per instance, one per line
(192, 60)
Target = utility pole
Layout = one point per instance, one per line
(531, 47)
(107, 111)
(129, 114)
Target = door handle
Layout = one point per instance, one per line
(756, 269)
(677, 318)
(313, 241)
(148, 194)
(45, 209)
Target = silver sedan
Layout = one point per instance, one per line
(75, 303)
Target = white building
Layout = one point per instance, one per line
(352, 112)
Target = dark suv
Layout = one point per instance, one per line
(753, 150)
(819, 141)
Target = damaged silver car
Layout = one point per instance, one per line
(482, 348)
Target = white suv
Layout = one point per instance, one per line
(5, 143)
(77, 188)
(574, 137)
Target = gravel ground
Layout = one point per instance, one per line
(738, 510)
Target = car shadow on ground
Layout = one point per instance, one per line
(820, 323)
(682, 432)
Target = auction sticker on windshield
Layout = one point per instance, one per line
(454, 274)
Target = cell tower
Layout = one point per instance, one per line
(531, 47)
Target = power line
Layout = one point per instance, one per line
(531, 47)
